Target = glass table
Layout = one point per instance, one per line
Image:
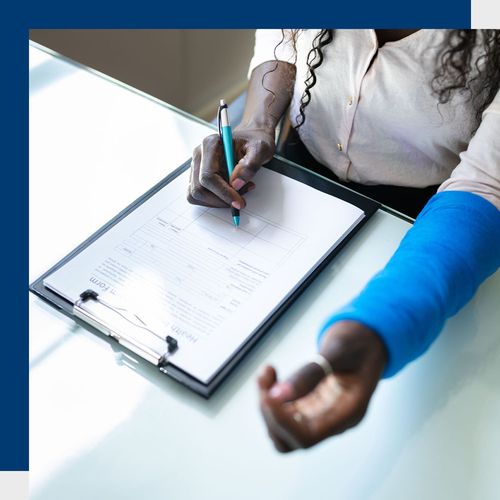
(102, 427)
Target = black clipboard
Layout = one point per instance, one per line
(368, 206)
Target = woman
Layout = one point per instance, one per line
(410, 111)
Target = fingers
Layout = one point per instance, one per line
(253, 154)
(197, 194)
(265, 382)
(249, 186)
(211, 175)
(266, 379)
(287, 432)
(346, 408)
(277, 419)
(330, 409)
(302, 382)
(209, 185)
(287, 426)
(309, 407)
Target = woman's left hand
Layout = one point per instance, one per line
(310, 406)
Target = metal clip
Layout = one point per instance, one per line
(80, 311)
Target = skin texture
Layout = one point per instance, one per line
(309, 407)
(269, 93)
(254, 141)
(384, 36)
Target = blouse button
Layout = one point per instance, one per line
(350, 100)
(339, 146)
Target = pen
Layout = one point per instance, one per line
(227, 142)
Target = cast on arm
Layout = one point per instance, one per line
(452, 248)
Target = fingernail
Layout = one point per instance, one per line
(282, 391)
(276, 392)
(250, 188)
(236, 205)
(238, 184)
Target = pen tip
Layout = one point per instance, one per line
(236, 220)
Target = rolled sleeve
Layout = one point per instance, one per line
(479, 169)
(271, 45)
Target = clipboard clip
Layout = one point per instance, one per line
(136, 346)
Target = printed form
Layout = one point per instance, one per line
(187, 272)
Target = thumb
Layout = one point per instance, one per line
(246, 168)
(302, 382)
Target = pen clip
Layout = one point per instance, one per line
(219, 120)
(219, 127)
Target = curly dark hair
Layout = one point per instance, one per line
(456, 69)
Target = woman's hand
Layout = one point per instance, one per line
(310, 406)
(269, 92)
(209, 185)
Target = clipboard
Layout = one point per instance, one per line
(79, 312)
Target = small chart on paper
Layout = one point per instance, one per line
(194, 263)
(256, 236)
(186, 271)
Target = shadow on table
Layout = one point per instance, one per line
(424, 389)
(400, 412)
(245, 369)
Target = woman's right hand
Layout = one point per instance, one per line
(209, 184)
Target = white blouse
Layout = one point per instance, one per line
(376, 120)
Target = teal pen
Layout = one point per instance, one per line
(227, 142)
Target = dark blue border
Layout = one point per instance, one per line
(14, 252)
(112, 14)
(256, 13)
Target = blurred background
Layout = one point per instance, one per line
(190, 69)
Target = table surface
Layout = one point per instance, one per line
(104, 428)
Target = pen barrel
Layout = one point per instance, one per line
(227, 142)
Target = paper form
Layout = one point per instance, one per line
(186, 271)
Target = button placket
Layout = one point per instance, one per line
(353, 100)
(349, 112)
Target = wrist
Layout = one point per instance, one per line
(352, 346)
(261, 126)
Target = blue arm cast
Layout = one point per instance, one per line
(451, 249)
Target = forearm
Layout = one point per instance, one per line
(270, 90)
(453, 247)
